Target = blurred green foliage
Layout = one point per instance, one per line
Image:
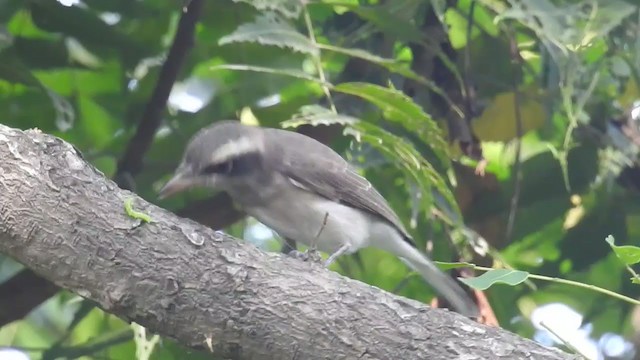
(407, 79)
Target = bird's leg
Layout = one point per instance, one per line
(288, 246)
(343, 249)
(311, 254)
(312, 251)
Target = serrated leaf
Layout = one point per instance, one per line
(496, 276)
(389, 64)
(387, 20)
(628, 254)
(317, 115)
(410, 162)
(359, 53)
(398, 107)
(269, 29)
(288, 8)
(267, 70)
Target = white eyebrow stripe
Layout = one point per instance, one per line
(234, 148)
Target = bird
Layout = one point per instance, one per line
(305, 192)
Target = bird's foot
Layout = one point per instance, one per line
(311, 255)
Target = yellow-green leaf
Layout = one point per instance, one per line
(498, 121)
(496, 276)
(628, 254)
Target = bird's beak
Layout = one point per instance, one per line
(179, 182)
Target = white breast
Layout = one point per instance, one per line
(300, 215)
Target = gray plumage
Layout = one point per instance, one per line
(321, 170)
(306, 192)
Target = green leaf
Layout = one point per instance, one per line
(13, 70)
(496, 276)
(317, 115)
(483, 18)
(85, 308)
(288, 72)
(30, 52)
(68, 81)
(97, 125)
(144, 346)
(88, 28)
(410, 162)
(360, 54)
(398, 107)
(387, 20)
(389, 64)
(106, 164)
(457, 20)
(628, 254)
(458, 25)
(288, 8)
(269, 29)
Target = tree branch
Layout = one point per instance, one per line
(25, 291)
(130, 164)
(63, 219)
(131, 161)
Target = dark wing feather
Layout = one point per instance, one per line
(315, 167)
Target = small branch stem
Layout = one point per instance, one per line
(573, 283)
(318, 62)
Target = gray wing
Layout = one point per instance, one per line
(315, 167)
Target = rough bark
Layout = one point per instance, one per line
(61, 217)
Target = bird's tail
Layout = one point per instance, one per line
(440, 281)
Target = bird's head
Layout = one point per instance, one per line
(218, 156)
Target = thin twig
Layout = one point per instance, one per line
(317, 60)
(469, 95)
(268, 70)
(92, 347)
(564, 341)
(516, 61)
(573, 283)
(131, 162)
(22, 293)
(404, 282)
(466, 80)
(633, 272)
(324, 224)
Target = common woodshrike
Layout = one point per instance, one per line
(305, 192)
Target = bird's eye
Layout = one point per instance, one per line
(218, 168)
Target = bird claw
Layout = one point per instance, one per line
(311, 255)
